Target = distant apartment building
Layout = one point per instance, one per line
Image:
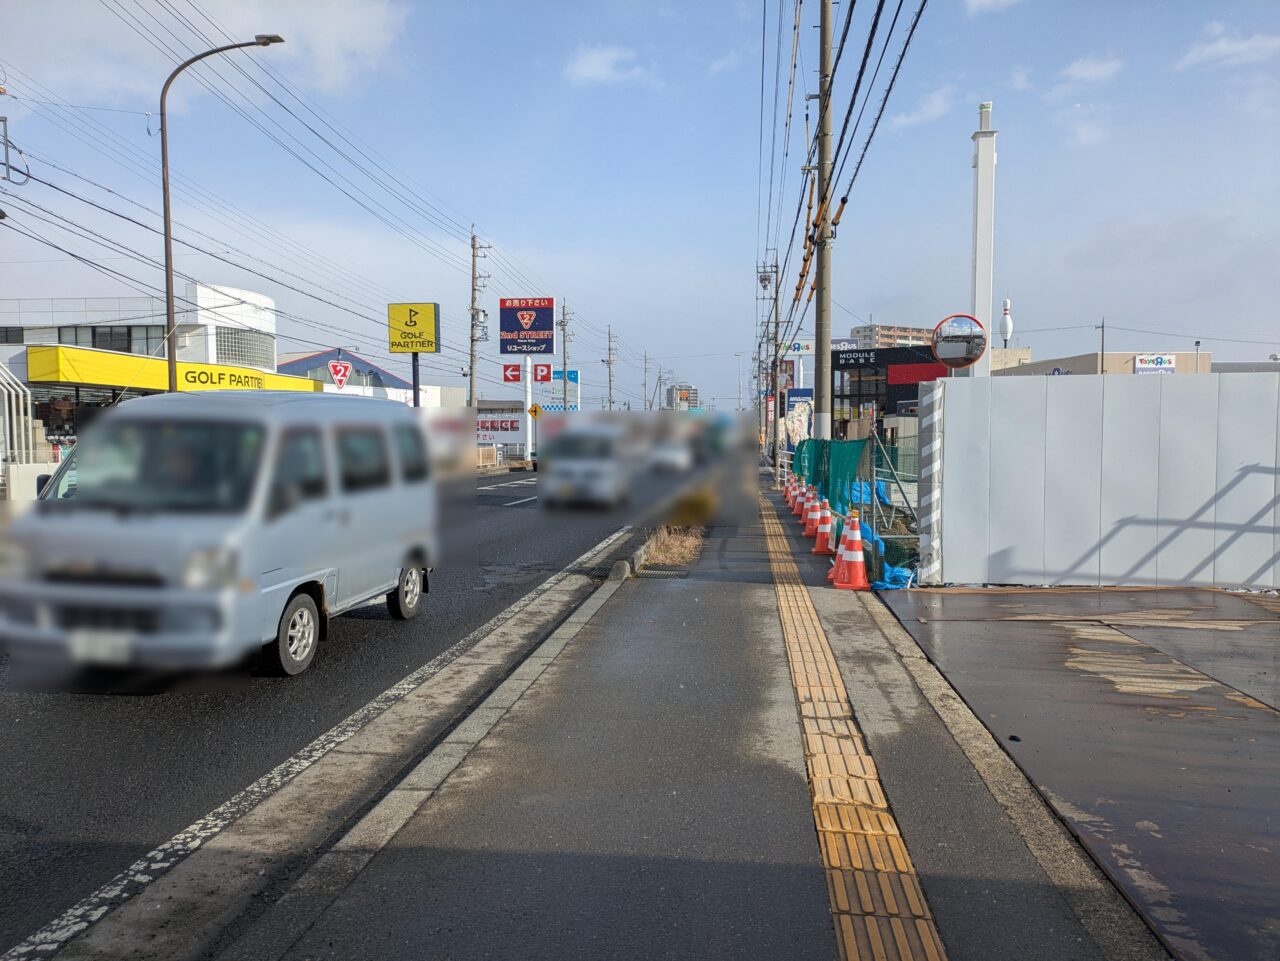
(873, 336)
(682, 397)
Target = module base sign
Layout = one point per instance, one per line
(413, 328)
(527, 325)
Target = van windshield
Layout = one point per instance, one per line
(580, 447)
(158, 465)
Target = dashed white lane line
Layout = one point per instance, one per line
(519, 483)
(130, 882)
(525, 501)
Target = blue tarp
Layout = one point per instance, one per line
(860, 493)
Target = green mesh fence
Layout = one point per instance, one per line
(833, 466)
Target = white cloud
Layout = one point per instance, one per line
(1085, 72)
(727, 62)
(1092, 69)
(1226, 50)
(83, 50)
(987, 6)
(1020, 79)
(1084, 125)
(604, 64)
(932, 106)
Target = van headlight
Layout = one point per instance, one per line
(212, 568)
(15, 560)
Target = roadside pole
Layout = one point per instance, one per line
(822, 240)
(528, 403)
(413, 363)
(564, 358)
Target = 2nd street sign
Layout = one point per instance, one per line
(413, 328)
(527, 325)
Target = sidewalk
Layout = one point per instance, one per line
(685, 780)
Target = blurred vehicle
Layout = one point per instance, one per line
(187, 530)
(671, 456)
(585, 464)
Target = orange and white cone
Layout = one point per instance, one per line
(790, 492)
(823, 545)
(842, 555)
(855, 571)
(812, 516)
(802, 495)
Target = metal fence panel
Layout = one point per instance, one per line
(1016, 504)
(966, 452)
(1072, 481)
(1245, 511)
(1188, 480)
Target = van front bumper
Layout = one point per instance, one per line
(123, 626)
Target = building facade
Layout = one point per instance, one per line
(873, 336)
(682, 397)
(1115, 362)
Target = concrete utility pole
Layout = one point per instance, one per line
(608, 362)
(647, 405)
(564, 358)
(822, 239)
(478, 331)
(739, 356)
(984, 234)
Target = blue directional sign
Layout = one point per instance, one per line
(558, 374)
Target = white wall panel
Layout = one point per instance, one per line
(1188, 479)
(1244, 548)
(1072, 480)
(1130, 466)
(966, 447)
(1017, 505)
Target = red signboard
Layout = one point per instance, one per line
(914, 373)
(542, 373)
(340, 370)
(511, 373)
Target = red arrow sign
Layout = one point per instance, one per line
(511, 373)
(340, 370)
(541, 373)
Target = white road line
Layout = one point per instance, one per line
(146, 869)
(525, 501)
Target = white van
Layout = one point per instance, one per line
(186, 530)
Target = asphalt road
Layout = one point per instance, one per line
(99, 770)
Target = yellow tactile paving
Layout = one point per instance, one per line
(878, 906)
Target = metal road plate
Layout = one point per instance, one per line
(101, 647)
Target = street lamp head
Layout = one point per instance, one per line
(267, 39)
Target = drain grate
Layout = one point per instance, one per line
(596, 571)
(650, 572)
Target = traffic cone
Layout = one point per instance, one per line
(812, 516)
(855, 571)
(789, 493)
(797, 506)
(842, 555)
(823, 545)
(810, 502)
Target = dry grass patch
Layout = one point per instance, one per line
(676, 546)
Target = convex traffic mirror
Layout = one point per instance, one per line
(959, 341)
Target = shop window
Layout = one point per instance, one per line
(76, 336)
(11, 335)
(148, 340)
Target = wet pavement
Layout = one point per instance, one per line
(1147, 718)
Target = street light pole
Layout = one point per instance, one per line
(170, 324)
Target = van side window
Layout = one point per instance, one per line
(413, 453)
(300, 471)
(363, 458)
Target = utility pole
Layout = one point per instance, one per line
(478, 330)
(822, 239)
(739, 356)
(564, 357)
(1102, 348)
(646, 381)
(608, 362)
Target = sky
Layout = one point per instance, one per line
(617, 155)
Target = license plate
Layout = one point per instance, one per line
(102, 647)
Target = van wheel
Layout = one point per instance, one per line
(297, 638)
(406, 599)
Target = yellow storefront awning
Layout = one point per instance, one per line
(85, 367)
